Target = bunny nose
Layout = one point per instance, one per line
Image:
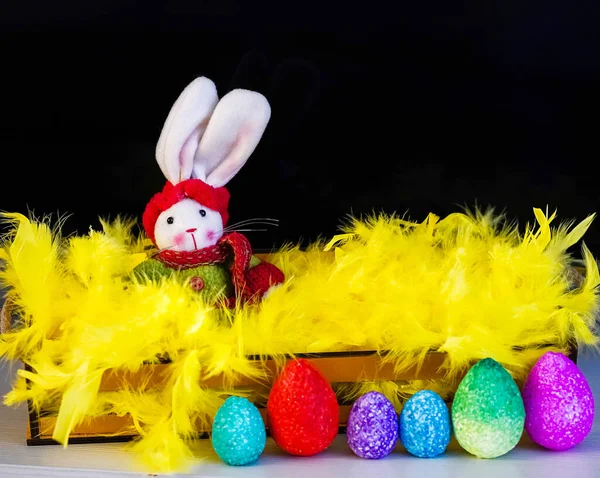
(193, 229)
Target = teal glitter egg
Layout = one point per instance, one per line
(488, 414)
(425, 428)
(238, 432)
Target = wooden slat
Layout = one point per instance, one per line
(106, 425)
(6, 317)
(335, 369)
(123, 426)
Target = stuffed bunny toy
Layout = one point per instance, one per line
(202, 146)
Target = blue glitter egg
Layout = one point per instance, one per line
(425, 427)
(372, 428)
(238, 432)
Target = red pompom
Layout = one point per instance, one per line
(261, 277)
(302, 410)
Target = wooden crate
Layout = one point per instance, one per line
(337, 367)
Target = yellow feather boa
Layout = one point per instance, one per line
(468, 285)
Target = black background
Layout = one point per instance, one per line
(406, 107)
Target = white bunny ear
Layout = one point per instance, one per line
(183, 129)
(234, 130)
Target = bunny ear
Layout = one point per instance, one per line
(233, 132)
(183, 129)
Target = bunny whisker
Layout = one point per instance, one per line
(233, 227)
(258, 220)
(236, 228)
(158, 251)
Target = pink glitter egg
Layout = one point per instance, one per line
(559, 404)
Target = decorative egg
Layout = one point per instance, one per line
(559, 403)
(238, 432)
(302, 410)
(372, 428)
(425, 426)
(488, 414)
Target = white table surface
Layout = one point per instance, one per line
(18, 459)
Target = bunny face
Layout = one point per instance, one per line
(188, 226)
(204, 140)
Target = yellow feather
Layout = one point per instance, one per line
(575, 235)
(336, 240)
(189, 397)
(33, 277)
(75, 402)
(162, 450)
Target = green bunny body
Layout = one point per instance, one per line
(215, 278)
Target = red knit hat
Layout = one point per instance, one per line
(213, 198)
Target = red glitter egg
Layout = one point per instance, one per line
(302, 410)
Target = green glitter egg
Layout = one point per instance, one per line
(488, 414)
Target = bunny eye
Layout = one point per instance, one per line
(202, 212)
(170, 220)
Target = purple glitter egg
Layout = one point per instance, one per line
(372, 429)
(559, 404)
